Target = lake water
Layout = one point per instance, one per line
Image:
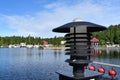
(35, 64)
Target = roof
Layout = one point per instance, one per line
(92, 27)
(94, 40)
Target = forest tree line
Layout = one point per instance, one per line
(5, 41)
(111, 35)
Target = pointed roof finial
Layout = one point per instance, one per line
(77, 20)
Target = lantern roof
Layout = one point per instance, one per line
(91, 27)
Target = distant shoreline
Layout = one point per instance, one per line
(63, 48)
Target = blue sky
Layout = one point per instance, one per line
(39, 17)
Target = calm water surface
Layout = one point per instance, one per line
(35, 64)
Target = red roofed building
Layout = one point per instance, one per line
(94, 41)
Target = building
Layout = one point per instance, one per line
(45, 43)
(94, 41)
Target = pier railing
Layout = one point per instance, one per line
(106, 64)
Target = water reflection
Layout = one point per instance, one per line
(34, 52)
(35, 64)
(109, 53)
(57, 53)
(31, 64)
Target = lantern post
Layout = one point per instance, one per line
(78, 40)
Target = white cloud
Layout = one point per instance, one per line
(57, 14)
